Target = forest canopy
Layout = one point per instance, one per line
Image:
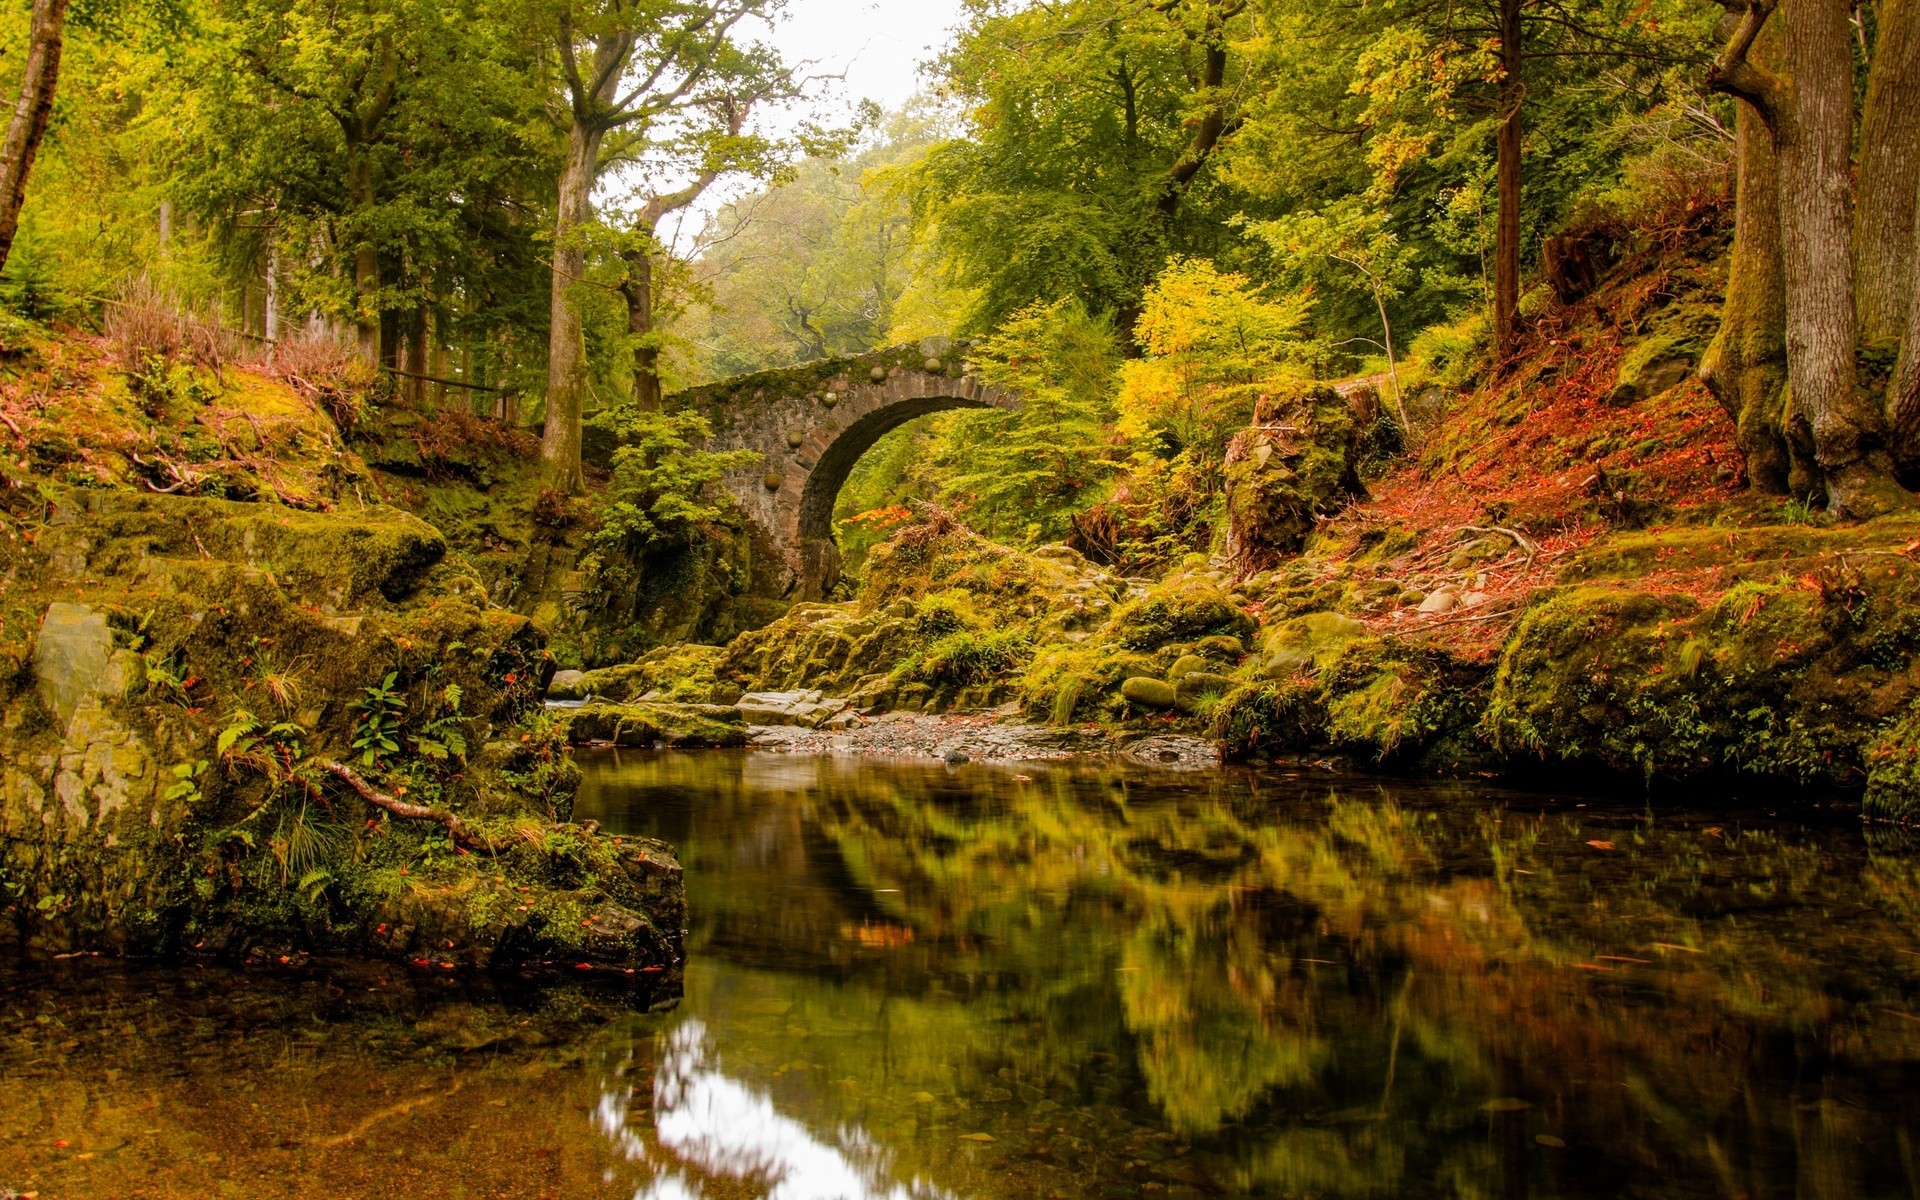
(1150, 214)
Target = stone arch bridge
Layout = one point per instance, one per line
(810, 424)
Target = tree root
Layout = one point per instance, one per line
(463, 835)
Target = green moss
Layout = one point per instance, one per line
(1893, 769)
(646, 725)
(1270, 718)
(1185, 608)
(257, 627)
(1785, 678)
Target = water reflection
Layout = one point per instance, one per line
(1127, 985)
(910, 983)
(720, 1127)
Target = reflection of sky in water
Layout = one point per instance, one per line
(721, 1127)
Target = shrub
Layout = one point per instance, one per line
(328, 372)
(148, 325)
(662, 488)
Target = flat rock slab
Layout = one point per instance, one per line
(808, 709)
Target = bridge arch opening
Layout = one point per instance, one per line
(819, 549)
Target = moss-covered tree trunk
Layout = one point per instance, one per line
(637, 287)
(1809, 107)
(1746, 366)
(1889, 176)
(566, 342)
(1903, 395)
(1814, 139)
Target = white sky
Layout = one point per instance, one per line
(877, 45)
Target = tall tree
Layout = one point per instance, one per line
(625, 67)
(715, 142)
(1746, 365)
(1808, 108)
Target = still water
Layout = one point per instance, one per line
(911, 982)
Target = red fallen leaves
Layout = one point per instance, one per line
(1599, 844)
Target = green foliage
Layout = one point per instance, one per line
(967, 657)
(444, 738)
(187, 778)
(663, 487)
(376, 728)
(1021, 475)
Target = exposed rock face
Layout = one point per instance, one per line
(170, 701)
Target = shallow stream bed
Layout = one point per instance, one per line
(1059, 980)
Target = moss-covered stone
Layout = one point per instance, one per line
(1184, 608)
(1893, 769)
(1148, 692)
(656, 724)
(1787, 678)
(1308, 641)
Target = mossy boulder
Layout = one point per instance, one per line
(1071, 683)
(1185, 607)
(1308, 641)
(1298, 463)
(1195, 689)
(684, 674)
(1893, 769)
(1787, 678)
(1270, 718)
(1147, 692)
(657, 724)
(1653, 366)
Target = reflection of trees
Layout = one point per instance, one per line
(1326, 991)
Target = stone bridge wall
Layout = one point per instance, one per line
(811, 423)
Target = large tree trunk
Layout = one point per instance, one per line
(1746, 366)
(1506, 250)
(30, 115)
(1815, 143)
(417, 355)
(637, 287)
(1889, 176)
(566, 343)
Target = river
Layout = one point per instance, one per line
(1067, 980)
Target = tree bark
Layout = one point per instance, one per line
(30, 115)
(1746, 366)
(1506, 253)
(566, 345)
(1903, 393)
(1889, 176)
(637, 287)
(417, 355)
(1214, 121)
(366, 262)
(1814, 140)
